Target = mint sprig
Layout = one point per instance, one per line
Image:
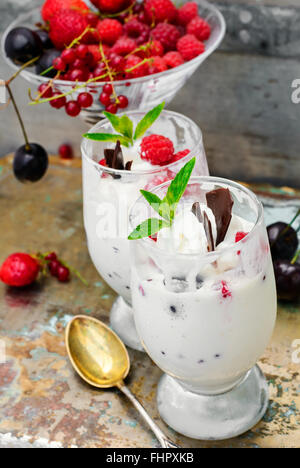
(166, 207)
(124, 126)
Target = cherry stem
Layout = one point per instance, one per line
(284, 231)
(295, 258)
(27, 145)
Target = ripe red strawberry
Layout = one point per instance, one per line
(173, 59)
(51, 7)
(133, 62)
(109, 30)
(124, 46)
(167, 34)
(65, 26)
(19, 269)
(159, 11)
(157, 149)
(110, 6)
(200, 28)
(240, 235)
(189, 47)
(187, 12)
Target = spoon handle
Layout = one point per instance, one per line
(163, 440)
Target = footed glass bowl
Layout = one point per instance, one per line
(143, 93)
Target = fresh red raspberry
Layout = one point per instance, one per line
(187, 12)
(240, 235)
(51, 7)
(200, 28)
(180, 154)
(159, 11)
(225, 290)
(110, 6)
(137, 30)
(189, 47)
(157, 65)
(19, 269)
(133, 61)
(124, 46)
(155, 49)
(167, 34)
(173, 59)
(109, 30)
(65, 26)
(157, 149)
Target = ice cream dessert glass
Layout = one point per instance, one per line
(204, 302)
(109, 193)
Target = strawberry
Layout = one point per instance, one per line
(19, 269)
(65, 26)
(51, 7)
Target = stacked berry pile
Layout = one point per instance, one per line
(122, 40)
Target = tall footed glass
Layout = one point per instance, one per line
(205, 318)
(108, 195)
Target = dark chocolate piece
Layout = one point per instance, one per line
(220, 202)
(196, 210)
(114, 157)
(109, 154)
(208, 232)
(128, 165)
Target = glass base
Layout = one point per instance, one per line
(122, 322)
(213, 417)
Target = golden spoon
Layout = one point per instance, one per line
(101, 359)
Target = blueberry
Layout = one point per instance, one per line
(45, 39)
(30, 163)
(46, 61)
(287, 279)
(283, 245)
(22, 45)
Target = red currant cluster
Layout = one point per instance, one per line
(56, 268)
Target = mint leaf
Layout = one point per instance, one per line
(147, 121)
(162, 208)
(122, 124)
(148, 228)
(107, 137)
(177, 187)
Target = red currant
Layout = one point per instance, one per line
(78, 63)
(118, 63)
(112, 108)
(68, 56)
(63, 274)
(85, 100)
(59, 64)
(104, 99)
(59, 102)
(82, 51)
(108, 89)
(92, 19)
(45, 90)
(53, 267)
(123, 102)
(51, 256)
(77, 75)
(73, 108)
(65, 151)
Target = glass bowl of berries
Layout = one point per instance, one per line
(128, 55)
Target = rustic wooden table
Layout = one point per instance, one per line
(42, 402)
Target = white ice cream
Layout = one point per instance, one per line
(205, 323)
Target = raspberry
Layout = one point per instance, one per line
(154, 49)
(187, 12)
(225, 290)
(157, 149)
(157, 65)
(167, 34)
(124, 46)
(159, 11)
(189, 47)
(109, 6)
(173, 59)
(19, 269)
(109, 30)
(180, 154)
(51, 7)
(200, 28)
(240, 235)
(137, 30)
(138, 70)
(65, 26)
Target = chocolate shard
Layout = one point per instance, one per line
(196, 210)
(209, 234)
(128, 165)
(118, 159)
(109, 154)
(220, 202)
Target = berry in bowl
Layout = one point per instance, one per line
(120, 156)
(123, 55)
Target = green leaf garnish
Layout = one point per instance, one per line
(147, 121)
(122, 124)
(148, 228)
(166, 207)
(108, 137)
